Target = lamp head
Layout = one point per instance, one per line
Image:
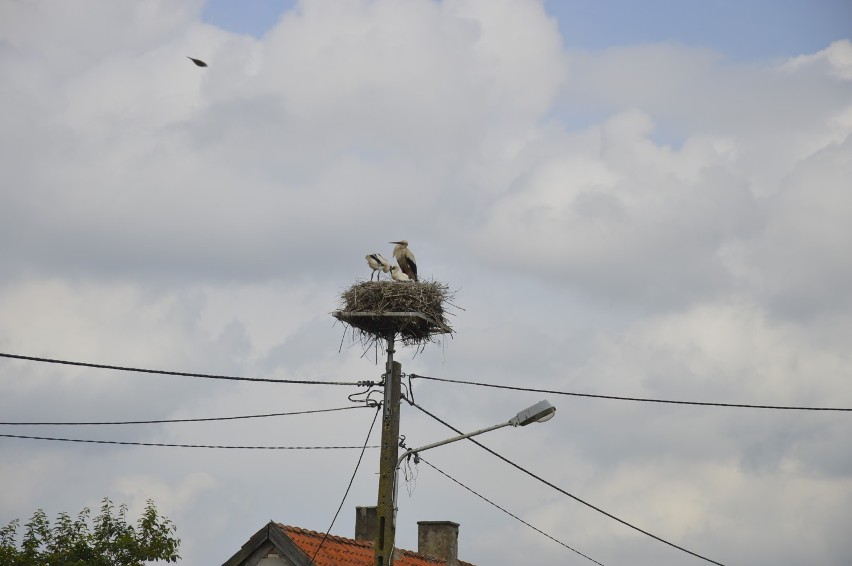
(538, 413)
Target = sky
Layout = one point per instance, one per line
(646, 200)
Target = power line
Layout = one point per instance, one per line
(161, 421)
(348, 487)
(640, 399)
(422, 459)
(559, 489)
(160, 444)
(185, 374)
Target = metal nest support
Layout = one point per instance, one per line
(415, 312)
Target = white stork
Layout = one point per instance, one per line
(377, 262)
(405, 259)
(398, 274)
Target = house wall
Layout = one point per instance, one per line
(272, 560)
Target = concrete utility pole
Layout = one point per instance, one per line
(405, 318)
(385, 511)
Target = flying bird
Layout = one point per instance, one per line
(198, 62)
(398, 275)
(405, 259)
(377, 263)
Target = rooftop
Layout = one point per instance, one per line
(341, 551)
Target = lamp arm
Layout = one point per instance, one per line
(408, 453)
(448, 441)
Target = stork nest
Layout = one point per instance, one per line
(415, 312)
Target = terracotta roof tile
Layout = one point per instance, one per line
(340, 551)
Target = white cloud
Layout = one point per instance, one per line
(596, 217)
(807, 228)
(138, 489)
(837, 57)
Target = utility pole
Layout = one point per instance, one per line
(385, 511)
(379, 312)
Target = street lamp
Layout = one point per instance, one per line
(538, 413)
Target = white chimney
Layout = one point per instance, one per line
(366, 520)
(439, 539)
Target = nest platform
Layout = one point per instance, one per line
(413, 311)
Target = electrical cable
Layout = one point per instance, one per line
(640, 399)
(185, 374)
(162, 421)
(348, 487)
(127, 443)
(559, 489)
(509, 513)
(410, 475)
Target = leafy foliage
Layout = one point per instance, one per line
(110, 541)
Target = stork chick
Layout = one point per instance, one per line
(405, 258)
(377, 263)
(398, 274)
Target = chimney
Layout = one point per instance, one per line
(366, 523)
(439, 539)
